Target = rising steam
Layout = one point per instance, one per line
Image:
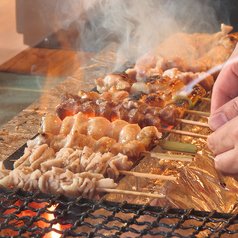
(134, 24)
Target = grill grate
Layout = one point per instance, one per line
(27, 214)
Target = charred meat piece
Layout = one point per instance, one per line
(140, 108)
(171, 112)
(89, 106)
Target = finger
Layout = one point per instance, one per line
(226, 85)
(224, 138)
(219, 145)
(223, 114)
(227, 162)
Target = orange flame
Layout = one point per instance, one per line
(57, 226)
(28, 212)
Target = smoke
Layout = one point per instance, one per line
(136, 25)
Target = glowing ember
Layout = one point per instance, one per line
(50, 217)
(34, 215)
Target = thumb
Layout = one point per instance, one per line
(223, 114)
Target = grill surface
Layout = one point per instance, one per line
(28, 214)
(99, 218)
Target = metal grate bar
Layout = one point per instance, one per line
(25, 213)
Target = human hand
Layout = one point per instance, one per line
(225, 89)
(223, 114)
(224, 144)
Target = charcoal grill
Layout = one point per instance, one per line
(78, 217)
(30, 214)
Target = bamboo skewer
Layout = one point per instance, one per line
(184, 158)
(127, 192)
(198, 113)
(146, 175)
(186, 133)
(196, 123)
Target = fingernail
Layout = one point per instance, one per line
(217, 120)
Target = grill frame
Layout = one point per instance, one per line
(169, 221)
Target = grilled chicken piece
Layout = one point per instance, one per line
(145, 67)
(132, 149)
(186, 77)
(115, 128)
(120, 81)
(97, 127)
(171, 112)
(114, 95)
(216, 55)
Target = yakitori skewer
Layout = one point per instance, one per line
(184, 158)
(196, 123)
(197, 113)
(147, 175)
(127, 192)
(186, 133)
